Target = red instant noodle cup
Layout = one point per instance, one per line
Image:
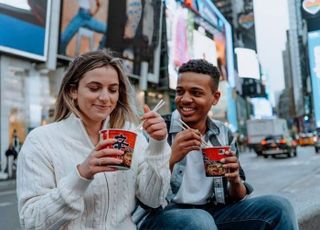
(211, 160)
(126, 141)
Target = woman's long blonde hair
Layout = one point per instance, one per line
(65, 104)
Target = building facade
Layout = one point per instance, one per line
(53, 33)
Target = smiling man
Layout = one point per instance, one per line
(197, 201)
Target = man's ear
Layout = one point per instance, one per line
(216, 96)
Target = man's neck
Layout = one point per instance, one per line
(201, 126)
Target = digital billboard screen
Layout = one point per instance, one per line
(129, 28)
(192, 36)
(314, 62)
(248, 64)
(133, 31)
(83, 26)
(204, 47)
(24, 27)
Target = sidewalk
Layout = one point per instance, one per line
(7, 185)
(304, 195)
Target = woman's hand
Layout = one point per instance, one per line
(154, 124)
(184, 142)
(100, 159)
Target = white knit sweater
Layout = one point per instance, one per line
(52, 194)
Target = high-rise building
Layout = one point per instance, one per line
(295, 32)
(311, 14)
(296, 95)
(226, 8)
(286, 106)
(241, 17)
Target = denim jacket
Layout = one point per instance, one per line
(218, 134)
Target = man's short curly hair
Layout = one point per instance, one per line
(203, 67)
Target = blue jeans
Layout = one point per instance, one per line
(264, 212)
(82, 19)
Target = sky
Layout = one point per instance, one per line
(271, 23)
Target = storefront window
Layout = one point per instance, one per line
(15, 103)
(28, 102)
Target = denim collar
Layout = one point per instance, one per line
(212, 128)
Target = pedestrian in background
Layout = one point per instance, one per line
(15, 141)
(11, 152)
(195, 200)
(64, 175)
(11, 156)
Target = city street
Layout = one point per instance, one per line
(296, 178)
(291, 177)
(231, 61)
(8, 210)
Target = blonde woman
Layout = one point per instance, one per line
(65, 180)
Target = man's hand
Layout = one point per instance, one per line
(184, 142)
(231, 165)
(237, 189)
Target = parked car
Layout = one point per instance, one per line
(306, 139)
(278, 145)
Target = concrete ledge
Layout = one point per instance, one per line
(6, 185)
(309, 219)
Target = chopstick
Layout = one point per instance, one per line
(184, 126)
(159, 105)
(233, 140)
(155, 109)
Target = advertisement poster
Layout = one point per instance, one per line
(24, 28)
(311, 6)
(204, 47)
(133, 31)
(83, 26)
(179, 38)
(314, 62)
(190, 36)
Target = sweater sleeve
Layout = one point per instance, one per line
(153, 179)
(42, 202)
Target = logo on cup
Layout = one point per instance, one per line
(211, 159)
(221, 151)
(121, 142)
(125, 142)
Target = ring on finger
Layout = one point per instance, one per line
(98, 163)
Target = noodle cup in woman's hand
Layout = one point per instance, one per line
(126, 141)
(211, 159)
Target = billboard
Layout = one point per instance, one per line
(310, 10)
(311, 6)
(25, 27)
(83, 26)
(179, 23)
(248, 64)
(314, 62)
(198, 33)
(204, 47)
(128, 27)
(133, 31)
